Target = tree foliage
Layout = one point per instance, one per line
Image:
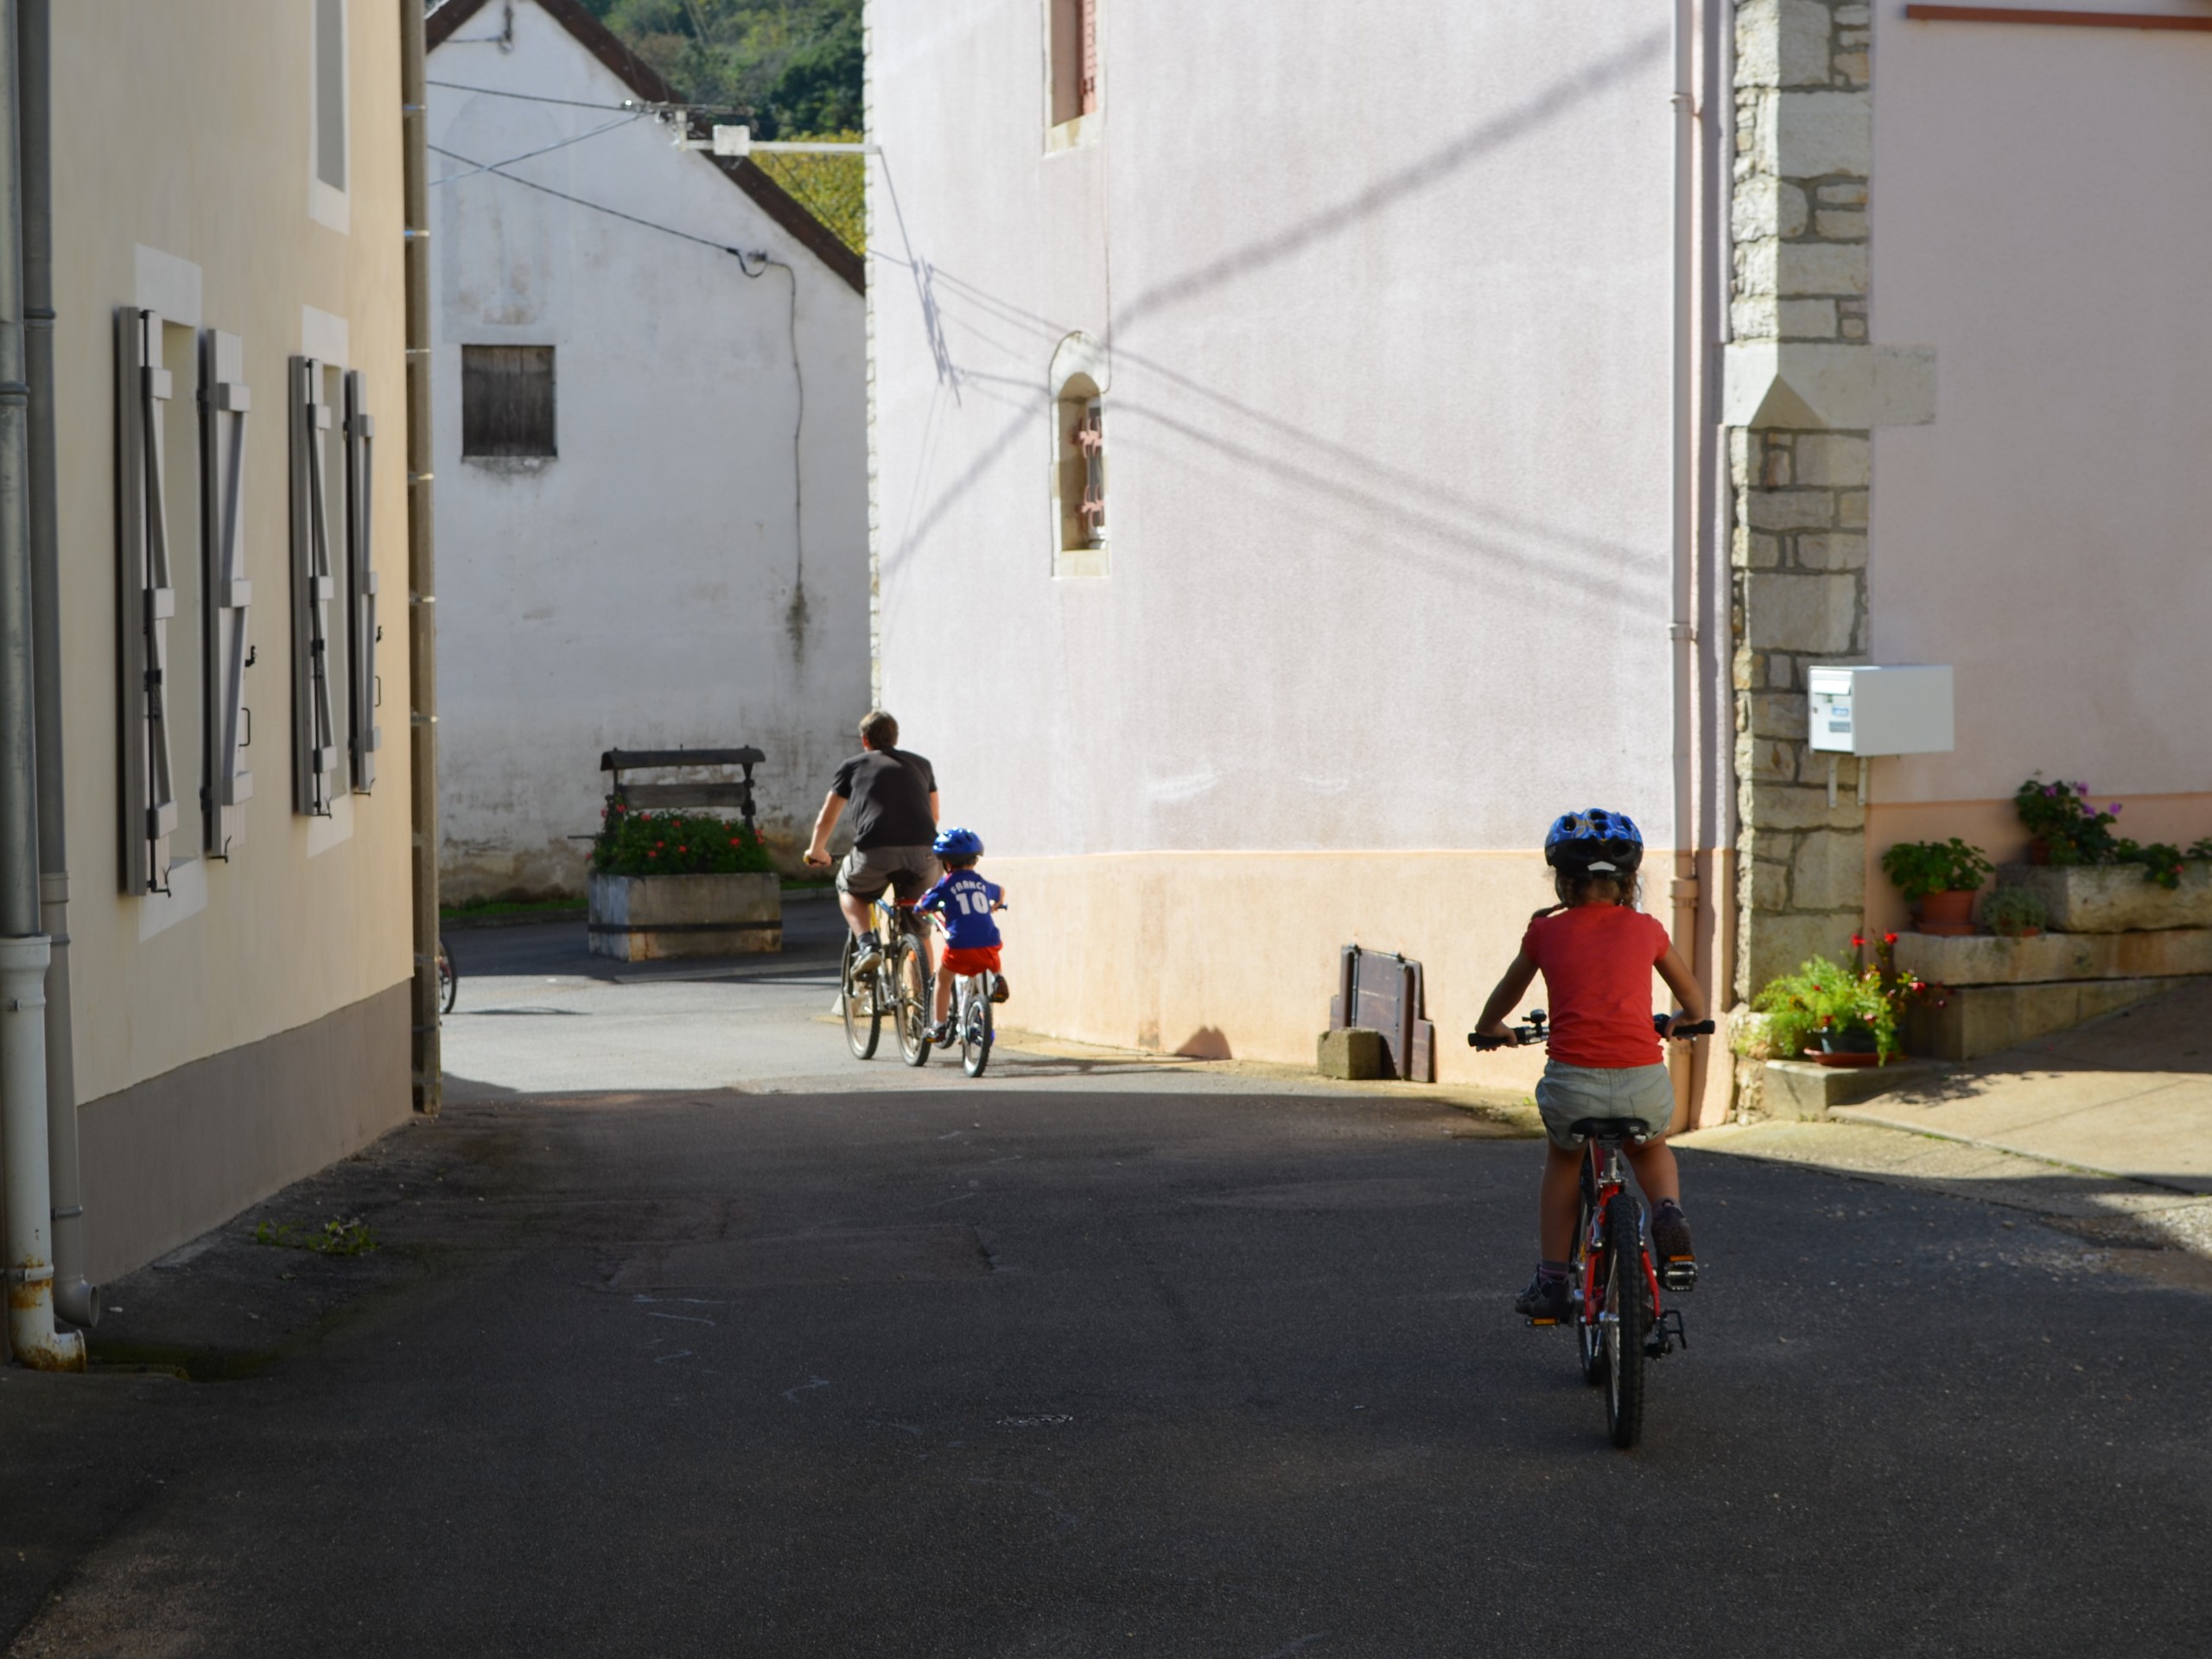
(788, 66)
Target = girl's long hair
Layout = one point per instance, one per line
(1577, 887)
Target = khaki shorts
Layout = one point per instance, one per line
(1567, 1093)
(865, 874)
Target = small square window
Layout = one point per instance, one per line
(506, 400)
(1073, 27)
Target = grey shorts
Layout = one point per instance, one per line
(1566, 1093)
(865, 874)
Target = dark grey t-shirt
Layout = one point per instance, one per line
(890, 792)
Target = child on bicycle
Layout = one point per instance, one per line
(963, 902)
(1595, 951)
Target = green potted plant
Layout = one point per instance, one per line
(677, 884)
(2014, 913)
(2062, 827)
(1841, 1014)
(1939, 879)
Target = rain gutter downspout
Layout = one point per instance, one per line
(428, 1062)
(1681, 630)
(24, 950)
(74, 1298)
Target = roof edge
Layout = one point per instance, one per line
(646, 83)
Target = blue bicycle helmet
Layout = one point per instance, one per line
(1596, 842)
(957, 843)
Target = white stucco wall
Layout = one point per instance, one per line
(2042, 217)
(648, 587)
(1386, 294)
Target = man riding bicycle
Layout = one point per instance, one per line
(893, 795)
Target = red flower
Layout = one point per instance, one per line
(1857, 941)
(1889, 939)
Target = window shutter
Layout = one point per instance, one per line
(315, 752)
(1091, 442)
(1087, 45)
(148, 599)
(223, 405)
(364, 737)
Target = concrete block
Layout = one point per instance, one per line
(645, 918)
(1805, 319)
(1832, 550)
(1840, 224)
(2114, 899)
(1786, 806)
(1777, 714)
(1829, 872)
(1782, 43)
(1767, 208)
(1355, 1052)
(1776, 944)
(1807, 385)
(1805, 1089)
(1789, 509)
(1836, 461)
(1819, 268)
(1987, 959)
(1810, 135)
(1978, 1019)
(1786, 612)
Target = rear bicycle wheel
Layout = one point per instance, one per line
(910, 989)
(856, 1000)
(448, 979)
(1589, 1335)
(976, 1026)
(1628, 1318)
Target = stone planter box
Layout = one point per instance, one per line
(1802, 1088)
(643, 918)
(1987, 959)
(2114, 898)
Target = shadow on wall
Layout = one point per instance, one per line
(1206, 1043)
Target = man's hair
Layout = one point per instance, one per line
(1576, 886)
(879, 730)
(952, 861)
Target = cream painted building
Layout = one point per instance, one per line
(652, 451)
(231, 505)
(1357, 434)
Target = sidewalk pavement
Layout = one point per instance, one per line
(2106, 1129)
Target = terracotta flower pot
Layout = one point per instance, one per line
(1948, 914)
(1823, 1057)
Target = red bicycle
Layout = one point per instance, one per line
(1620, 1322)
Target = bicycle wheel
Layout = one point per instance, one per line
(1589, 1335)
(975, 1027)
(1628, 1317)
(448, 979)
(856, 997)
(910, 1013)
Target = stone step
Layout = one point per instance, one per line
(1802, 1088)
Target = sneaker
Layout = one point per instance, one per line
(1545, 1301)
(869, 957)
(1672, 1258)
(998, 988)
(942, 1034)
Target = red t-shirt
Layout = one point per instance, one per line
(1596, 962)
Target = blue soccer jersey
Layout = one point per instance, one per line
(965, 899)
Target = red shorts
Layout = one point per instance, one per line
(975, 959)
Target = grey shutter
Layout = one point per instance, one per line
(314, 751)
(223, 405)
(147, 598)
(364, 737)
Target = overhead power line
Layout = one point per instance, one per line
(492, 167)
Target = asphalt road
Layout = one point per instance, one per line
(1079, 1362)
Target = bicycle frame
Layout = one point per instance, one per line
(1603, 1181)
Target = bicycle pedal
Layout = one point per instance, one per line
(1532, 1324)
(1666, 1335)
(1679, 1273)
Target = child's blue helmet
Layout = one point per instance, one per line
(1595, 842)
(957, 843)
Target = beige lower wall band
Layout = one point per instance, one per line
(1234, 955)
(168, 1159)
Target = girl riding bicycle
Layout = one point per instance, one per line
(1597, 952)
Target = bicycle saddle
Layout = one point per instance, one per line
(1611, 1128)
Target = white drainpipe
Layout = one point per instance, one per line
(1682, 628)
(24, 950)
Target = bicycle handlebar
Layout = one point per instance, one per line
(1536, 1031)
